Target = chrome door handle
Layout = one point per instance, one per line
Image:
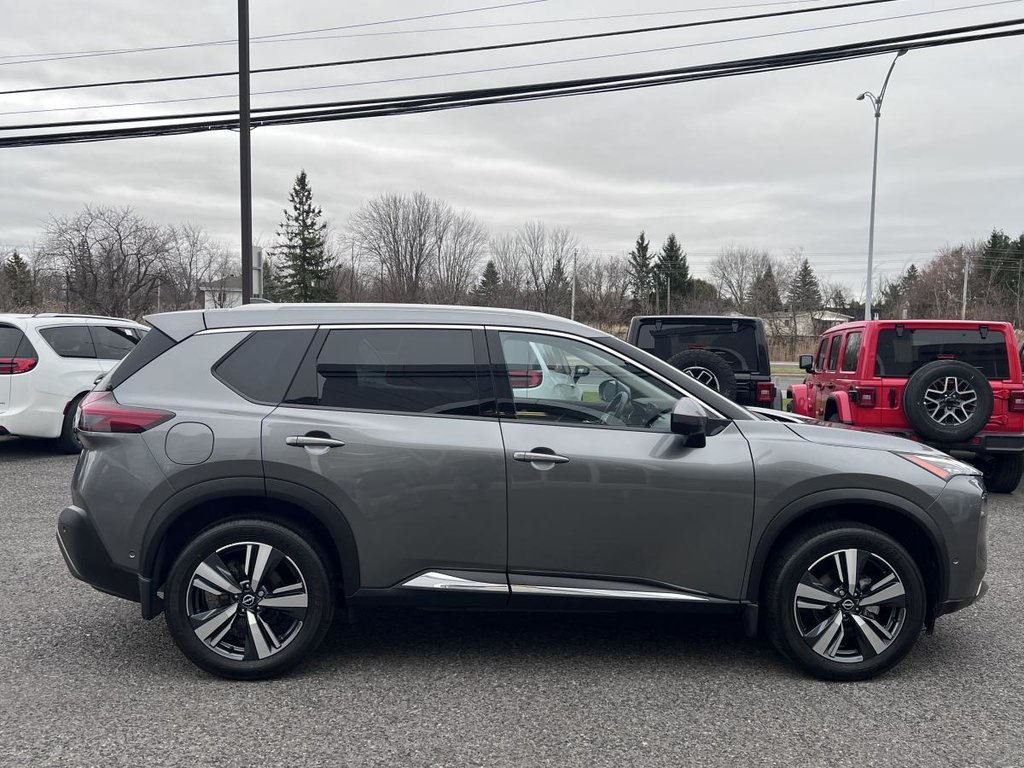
(306, 440)
(546, 458)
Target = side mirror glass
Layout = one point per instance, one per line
(579, 372)
(807, 362)
(607, 390)
(690, 421)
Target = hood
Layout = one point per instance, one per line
(849, 437)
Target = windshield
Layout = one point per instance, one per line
(665, 338)
(902, 354)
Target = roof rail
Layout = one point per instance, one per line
(80, 314)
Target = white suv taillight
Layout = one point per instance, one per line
(13, 365)
(100, 412)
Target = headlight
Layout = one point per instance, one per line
(940, 465)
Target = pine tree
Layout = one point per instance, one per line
(764, 293)
(18, 277)
(305, 266)
(487, 290)
(641, 273)
(673, 271)
(805, 293)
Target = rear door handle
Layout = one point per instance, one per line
(540, 457)
(307, 440)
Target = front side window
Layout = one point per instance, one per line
(69, 340)
(401, 369)
(833, 353)
(819, 358)
(614, 392)
(114, 342)
(852, 351)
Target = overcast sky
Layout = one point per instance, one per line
(775, 161)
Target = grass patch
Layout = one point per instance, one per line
(787, 370)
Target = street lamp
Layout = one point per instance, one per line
(876, 103)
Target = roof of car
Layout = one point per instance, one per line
(696, 317)
(180, 324)
(61, 318)
(950, 324)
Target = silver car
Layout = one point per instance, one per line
(250, 472)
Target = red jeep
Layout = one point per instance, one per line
(955, 385)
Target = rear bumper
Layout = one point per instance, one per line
(87, 558)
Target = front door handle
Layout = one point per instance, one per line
(313, 441)
(540, 457)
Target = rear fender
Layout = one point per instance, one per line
(801, 404)
(840, 403)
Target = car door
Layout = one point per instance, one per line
(392, 425)
(622, 508)
(827, 377)
(76, 371)
(846, 372)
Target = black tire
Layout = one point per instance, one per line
(1002, 472)
(919, 410)
(694, 359)
(296, 642)
(811, 548)
(68, 441)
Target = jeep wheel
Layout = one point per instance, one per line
(247, 599)
(844, 601)
(1002, 472)
(948, 401)
(707, 368)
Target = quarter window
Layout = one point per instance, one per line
(852, 351)
(114, 342)
(833, 353)
(262, 366)
(69, 340)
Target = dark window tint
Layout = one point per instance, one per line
(113, 342)
(262, 366)
(819, 358)
(901, 355)
(10, 338)
(833, 353)
(737, 347)
(153, 344)
(851, 352)
(69, 340)
(412, 370)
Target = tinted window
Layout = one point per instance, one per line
(113, 342)
(737, 347)
(10, 338)
(69, 340)
(153, 344)
(410, 370)
(819, 358)
(833, 353)
(262, 366)
(852, 351)
(901, 355)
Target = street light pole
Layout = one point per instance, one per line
(876, 103)
(245, 148)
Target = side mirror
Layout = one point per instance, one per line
(807, 363)
(579, 372)
(690, 421)
(607, 390)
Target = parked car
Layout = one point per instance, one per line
(727, 354)
(48, 361)
(251, 471)
(955, 385)
(542, 372)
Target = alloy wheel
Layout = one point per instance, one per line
(850, 605)
(247, 601)
(702, 375)
(950, 400)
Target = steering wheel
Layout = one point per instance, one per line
(615, 407)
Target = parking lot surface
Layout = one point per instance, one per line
(85, 681)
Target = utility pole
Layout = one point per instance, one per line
(572, 305)
(963, 299)
(245, 148)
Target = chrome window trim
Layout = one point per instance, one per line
(447, 581)
(613, 353)
(252, 328)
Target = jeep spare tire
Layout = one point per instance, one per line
(707, 368)
(948, 401)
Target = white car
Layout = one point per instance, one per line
(48, 362)
(542, 372)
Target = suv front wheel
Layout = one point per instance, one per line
(844, 601)
(247, 599)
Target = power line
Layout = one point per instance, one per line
(473, 49)
(421, 103)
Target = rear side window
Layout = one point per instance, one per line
(403, 370)
(852, 351)
(734, 342)
(114, 342)
(833, 353)
(10, 339)
(153, 344)
(69, 340)
(902, 354)
(17, 355)
(263, 365)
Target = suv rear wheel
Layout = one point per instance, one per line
(844, 601)
(68, 441)
(248, 599)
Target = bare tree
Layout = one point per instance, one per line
(735, 270)
(510, 261)
(547, 254)
(193, 259)
(458, 244)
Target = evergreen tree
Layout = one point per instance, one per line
(641, 273)
(305, 266)
(805, 293)
(487, 290)
(18, 278)
(272, 289)
(558, 288)
(673, 271)
(764, 292)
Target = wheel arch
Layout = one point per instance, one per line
(907, 523)
(839, 403)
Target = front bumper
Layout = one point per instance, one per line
(951, 606)
(87, 558)
(961, 512)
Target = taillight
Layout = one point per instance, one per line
(100, 412)
(1016, 401)
(523, 379)
(12, 365)
(765, 392)
(866, 397)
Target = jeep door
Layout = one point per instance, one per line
(604, 501)
(827, 377)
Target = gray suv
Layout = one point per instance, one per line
(251, 471)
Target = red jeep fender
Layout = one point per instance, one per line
(798, 393)
(840, 402)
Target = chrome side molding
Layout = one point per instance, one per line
(623, 594)
(439, 580)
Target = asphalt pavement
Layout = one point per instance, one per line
(84, 681)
